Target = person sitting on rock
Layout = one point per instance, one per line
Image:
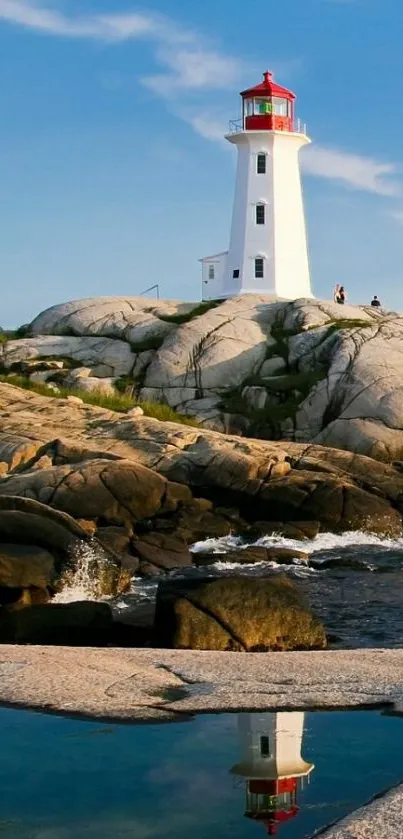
(342, 295)
(375, 301)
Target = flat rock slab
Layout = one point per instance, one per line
(382, 818)
(122, 684)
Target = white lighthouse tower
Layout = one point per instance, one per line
(272, 765)
(268, 251)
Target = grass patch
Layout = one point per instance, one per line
(346, 323)
(201, 309)
(116, 402)
(291, 389)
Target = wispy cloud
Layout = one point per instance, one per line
(355, 171)
(190, 63)
(103, 27)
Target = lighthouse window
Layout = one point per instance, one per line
(259, 268)
(261, 164)
(280, 107)
(264, 747)
(260, 214)
(263, 106)
(211, 272)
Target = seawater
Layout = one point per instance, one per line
(65, 778)
(359, 596)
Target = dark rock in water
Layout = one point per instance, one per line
(84, 624)
(19, 598)
(301, 530)
(116, 539)
(22, 566)
(161, 551)
(233, 613)
(338, 562)
(248, 556)
(337, 504)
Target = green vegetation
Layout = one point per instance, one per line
(201, 309)
(119, 402)
(3, 338)
(346, 323)
(291, 390)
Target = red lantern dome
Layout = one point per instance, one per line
(268, 106)
(271, 802)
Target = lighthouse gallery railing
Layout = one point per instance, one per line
(237, 125)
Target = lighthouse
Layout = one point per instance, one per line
(272, 766)
(268, 252)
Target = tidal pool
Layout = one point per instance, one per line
(216, 776)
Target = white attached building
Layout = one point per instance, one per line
(268, 251)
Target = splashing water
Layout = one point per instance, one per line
(322, 542)
(85, 581)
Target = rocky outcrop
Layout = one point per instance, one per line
(306, 370)
(235, 614)
(251, 555)
(70, 624)
(263, 481)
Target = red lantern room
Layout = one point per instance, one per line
(268, 107)
(271, 802)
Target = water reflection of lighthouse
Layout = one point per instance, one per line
(272, 765)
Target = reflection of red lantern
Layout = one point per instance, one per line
(271, 802)
(272, 765)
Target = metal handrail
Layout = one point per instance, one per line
(152, 287)
(237, 125)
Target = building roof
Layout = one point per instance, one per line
(268, 88)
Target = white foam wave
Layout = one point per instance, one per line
(322, 542)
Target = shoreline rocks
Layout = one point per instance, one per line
(302, 370)
(235, 615)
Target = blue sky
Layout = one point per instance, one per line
(113, 171)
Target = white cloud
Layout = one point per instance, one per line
(207, 124)
(195, 68)
(355, 171)
(190, 63)
(103, 27)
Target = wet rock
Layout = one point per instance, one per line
(84, 624)
(23, 566)
(237, 614)
(249, 556)
(116, 539)
(301, 531)
(161, 551)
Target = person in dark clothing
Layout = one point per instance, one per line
(375, 301)
(342, 295)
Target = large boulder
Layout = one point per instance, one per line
(116, 355)
(237, 614)
(115, 490)
(159, 552)
(83, 624)
(23, 566)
